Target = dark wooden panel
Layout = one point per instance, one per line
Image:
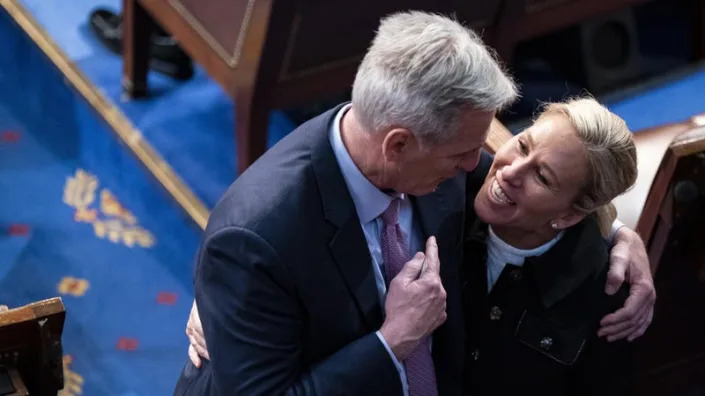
(670, 357)
(545, 16)
(284, 52)
(221, 24)
(329, 34)
(479, 15)
(30, 345)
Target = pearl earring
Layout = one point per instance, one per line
(554, 225)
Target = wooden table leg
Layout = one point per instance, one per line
(136, 29)
(251, 122)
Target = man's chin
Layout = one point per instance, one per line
(425, 190)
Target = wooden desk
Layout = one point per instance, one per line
(270, 54)
(670, 357)
(648, 206)
(30, 347)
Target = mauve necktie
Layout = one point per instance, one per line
(420, 373)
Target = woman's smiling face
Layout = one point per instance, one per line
(535, 178)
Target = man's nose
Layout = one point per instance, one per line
(470, 161)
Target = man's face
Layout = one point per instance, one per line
(424, 167)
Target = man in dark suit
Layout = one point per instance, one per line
(305, 280)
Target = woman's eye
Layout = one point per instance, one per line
(522, 147)
(542, 178)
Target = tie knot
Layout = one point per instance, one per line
(391, 214)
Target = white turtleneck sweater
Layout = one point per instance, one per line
(500, 253)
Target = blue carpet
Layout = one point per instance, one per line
(667, 100)
(83, 220)
(124, 270)
(198, 140)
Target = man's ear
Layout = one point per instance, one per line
(397, 143)
(569, 219)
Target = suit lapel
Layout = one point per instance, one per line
(349, 248)
(442, 214)
(348, 245)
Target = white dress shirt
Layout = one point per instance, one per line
(370, 202)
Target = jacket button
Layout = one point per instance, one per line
(495, 313)
(476, 354)
(515, 275)
(546, 343)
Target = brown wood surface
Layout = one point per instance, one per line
(499, 134)
(207, 18)
(546, 16)
(30, 345)
(136, 31)
(670, 357)
(281, 53)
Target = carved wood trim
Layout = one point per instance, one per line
(689, 143)
(231, 59)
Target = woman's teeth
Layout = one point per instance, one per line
(499, 195)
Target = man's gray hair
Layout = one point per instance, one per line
(422, 72)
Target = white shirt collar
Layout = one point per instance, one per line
(370, 201)
(513, 255)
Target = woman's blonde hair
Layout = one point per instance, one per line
(610, 153)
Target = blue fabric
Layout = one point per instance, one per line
(198, 140)
(666, 102)
(59, 133)
(124, 332)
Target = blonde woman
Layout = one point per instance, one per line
(535, 299)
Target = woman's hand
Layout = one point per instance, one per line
(194, 330)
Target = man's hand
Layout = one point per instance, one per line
(416, 302)
(194, 330)
(4, 308)
(628, 260)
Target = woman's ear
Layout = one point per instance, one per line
(568, 220)
(396, 144)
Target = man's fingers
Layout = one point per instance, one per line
(618, 269)
(631, 329)
(193, 356)
(432, 263)
(643, 326)
(620, 336)
(614, 329)
(634, 304)
(410, 271)
(631, 316)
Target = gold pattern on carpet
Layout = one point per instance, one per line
(73, 286)
(111, 220)
(73, 382)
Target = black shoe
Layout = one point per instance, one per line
(165, 54)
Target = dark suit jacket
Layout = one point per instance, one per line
(285, 286)
(535, 333)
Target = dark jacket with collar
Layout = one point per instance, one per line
(535, 332)
(285, 286)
